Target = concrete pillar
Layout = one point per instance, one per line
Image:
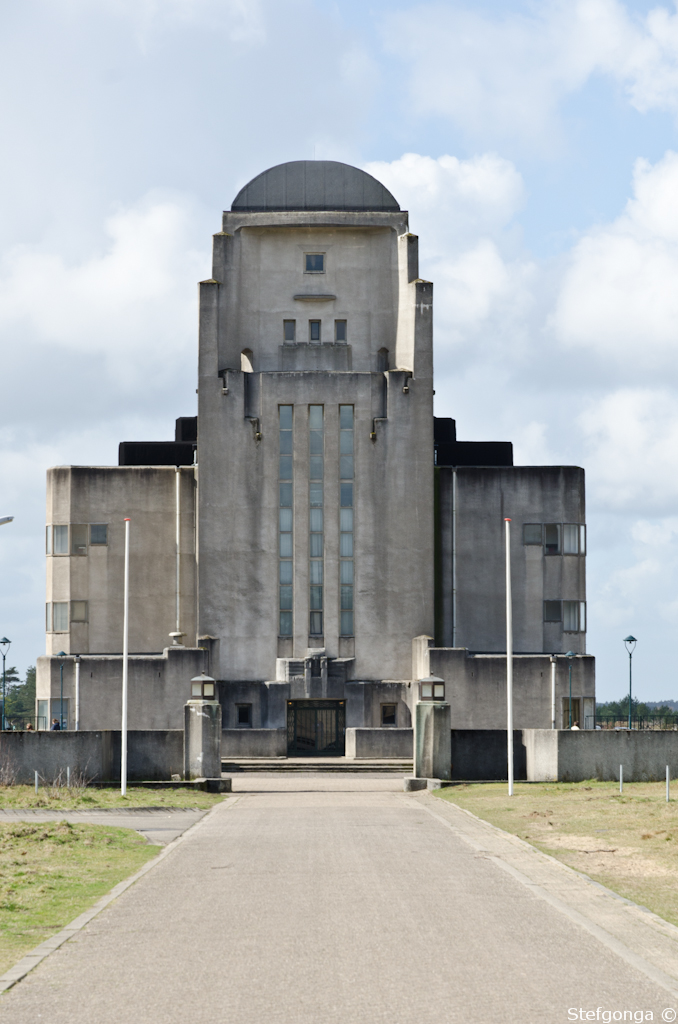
(432, 740)
(202, 739)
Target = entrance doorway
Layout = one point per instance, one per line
(576, 712)
(316, 728)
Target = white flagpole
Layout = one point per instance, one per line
(509, 660)
(125, 656)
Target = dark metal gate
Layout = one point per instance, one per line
(316, 728)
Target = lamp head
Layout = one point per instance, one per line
(61, 654)
(571, 654)
(5, 644)
(630, 643)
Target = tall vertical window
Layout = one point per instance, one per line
(346, 518)
(316, 473)
(285, 495)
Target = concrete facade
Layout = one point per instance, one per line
(320, 529)
(575, 756)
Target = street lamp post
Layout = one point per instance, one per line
(61, 654)
(570, 655)
(630, 644)
(5, 644)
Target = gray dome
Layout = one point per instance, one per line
(314, 185)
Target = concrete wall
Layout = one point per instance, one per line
(159, 686)
(384, 743)
(566, 756)
(95, 494)
(481, 754)
(476, 685)
(257, 271)
(152, 755)
(254, 743)
(484, 496)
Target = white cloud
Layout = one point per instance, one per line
(507, 76)
(618, 298)
(133, 304)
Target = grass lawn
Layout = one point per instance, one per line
(52, 871)
(628, 843)
(61, 798)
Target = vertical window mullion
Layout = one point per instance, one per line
(346, 520)
(285, 520)
(316, 514)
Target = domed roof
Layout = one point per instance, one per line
(314, 185)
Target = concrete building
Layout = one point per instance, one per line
(315, 519)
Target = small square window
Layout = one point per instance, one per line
(289, 330)
(553, 611)
(244, 716)
(314, 330)
(388, 714)
(532, 533)
(98, 533)
(340, 331)
(315, 263)
(552, 538)
(78, 611)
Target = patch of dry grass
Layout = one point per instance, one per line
(83, 798)
(627, 842)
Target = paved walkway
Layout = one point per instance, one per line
(159, 825)
(341, 900)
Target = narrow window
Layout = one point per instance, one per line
(60, 616)
(48, 540)
(574, 616)
(78, 611)
(48, 617)
(388, 714)
(553, 611)
(42, 714)
(289, 330)
(582, 539)
(340, 331)
(382, 360)
(98, 534)
(60, 540)
(346, 471)
(552, 538)
(79, 540)
(285, 520)
(316, 514)
(571, 539)
(315, 263)
(247, 361)
(314, 330)
(244, 716)
(532, 533)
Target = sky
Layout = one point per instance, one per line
(536, 148)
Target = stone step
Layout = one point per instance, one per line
(315, 764)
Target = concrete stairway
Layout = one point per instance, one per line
(315, 764)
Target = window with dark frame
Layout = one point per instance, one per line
(243, 716)
(552, 543)
(314, 330)
(388, 714)
(532, 533)
(289, 330)
(98, 534)
(553, 611)
(340, 334)
(314, 263)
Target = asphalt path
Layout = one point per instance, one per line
(342, 900)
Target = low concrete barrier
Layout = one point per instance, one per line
(480, 754)
(153, 755)
(384, 743)
(564, 756)
(253, 742)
